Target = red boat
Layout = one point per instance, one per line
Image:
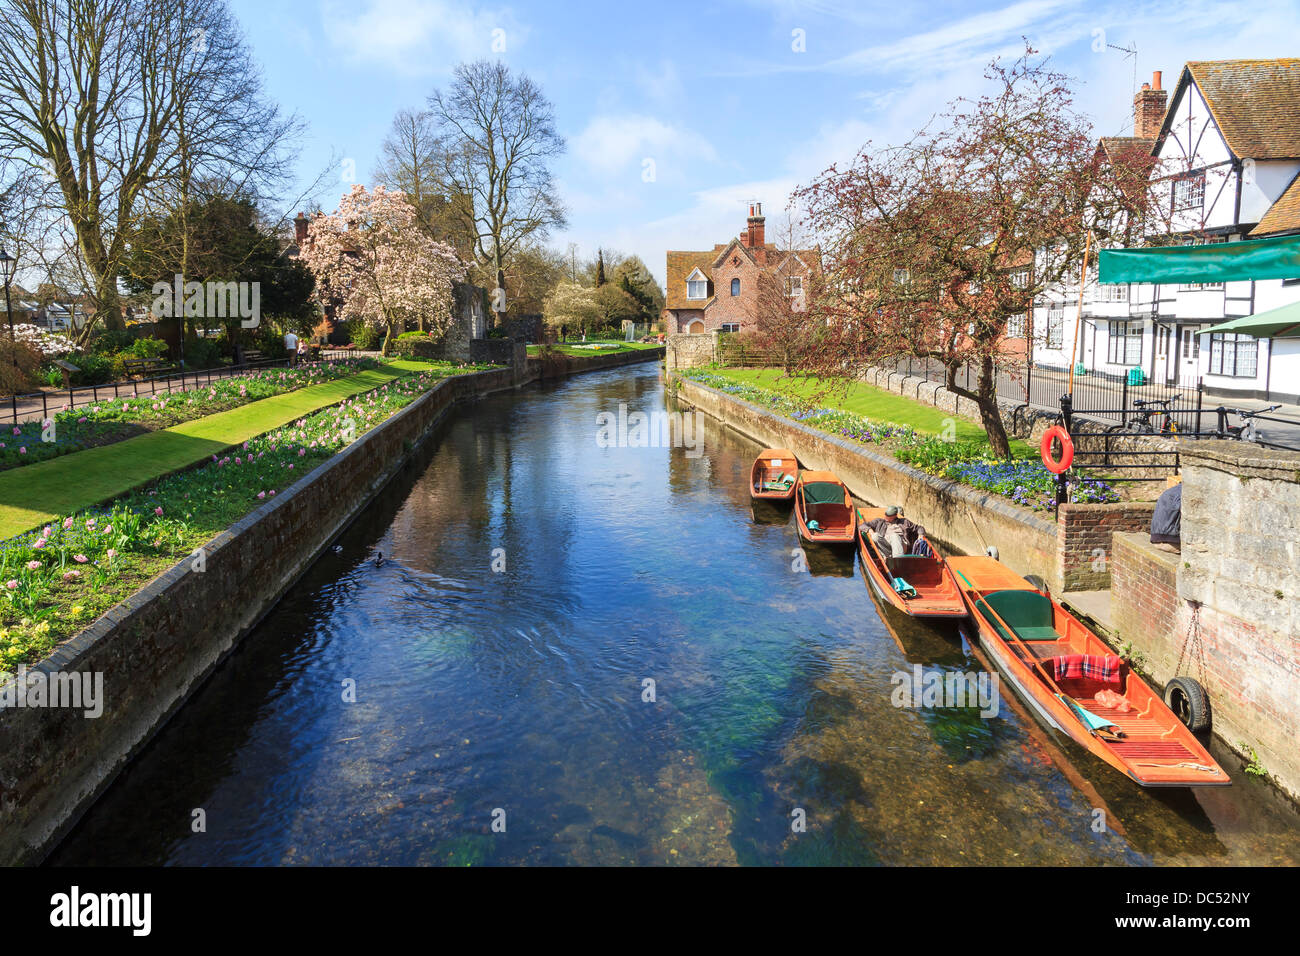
(774, 475)
(1074, 683)
(823, 509)
(919, 585)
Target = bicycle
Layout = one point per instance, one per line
(1244, 430)
(1140, 423)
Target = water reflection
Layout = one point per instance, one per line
(533, 583)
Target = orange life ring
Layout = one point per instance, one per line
(1067, 450)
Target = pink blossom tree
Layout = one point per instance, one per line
(374, 262)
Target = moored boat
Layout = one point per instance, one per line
(919, 584)
(774, 475)
(823, 509)
(1075, 684)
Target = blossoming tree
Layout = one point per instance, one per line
(373, 261)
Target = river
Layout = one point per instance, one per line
(465, 678)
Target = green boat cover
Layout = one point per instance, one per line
(1211, 262)
(1028, 613)
(823, 493)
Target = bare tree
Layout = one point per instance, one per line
(125, 103)
(495, 139)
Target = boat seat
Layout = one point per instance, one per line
(1028, 613)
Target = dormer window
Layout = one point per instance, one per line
(697, 286)
(794, 286)
(735, 287)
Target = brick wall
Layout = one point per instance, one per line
(1144, 597)
(1251, 674)
(1084, 534)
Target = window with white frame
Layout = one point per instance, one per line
(1189, 192)
(1016, 326)
(1055, 326)
(901, 276)
(794, 286)
(1112, 292)
(1125, 343)
(1019, 278)
(1233, 354)
(730, 327)
(697, 286)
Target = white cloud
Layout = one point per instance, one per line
(619, 144)
(417, 36)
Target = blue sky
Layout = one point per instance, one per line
(717, 94)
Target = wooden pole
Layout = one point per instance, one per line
(1078, 318)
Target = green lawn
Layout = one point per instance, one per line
(569, 348)
(38, 493)
(869, 402)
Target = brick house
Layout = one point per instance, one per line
(719, 289)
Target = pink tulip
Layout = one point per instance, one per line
(80, 558)
(157, 511)
(71, 575)
(12, 585)
(112, 553)
(67, 523)
(33, 565)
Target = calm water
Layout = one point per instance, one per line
(523, 690)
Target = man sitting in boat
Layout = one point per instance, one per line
(895, 535)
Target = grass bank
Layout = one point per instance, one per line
(39, 493)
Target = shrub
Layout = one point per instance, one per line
(413, 336)
(365, 336)
(94, 368)
(147, 348)
(202, 353)
(19, 365)
(111, 341)
(418, 346)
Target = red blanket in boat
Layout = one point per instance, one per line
(1091, 666)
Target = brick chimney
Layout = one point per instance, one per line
(300, 229)
(1149, 108)
(755, 232)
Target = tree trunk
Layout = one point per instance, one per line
(990, 414)
(387, 347)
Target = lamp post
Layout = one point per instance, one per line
(7, 263)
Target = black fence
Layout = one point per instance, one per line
(28, 407)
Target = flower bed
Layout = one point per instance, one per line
(115, 419)
(57, 579)
(1024, 481)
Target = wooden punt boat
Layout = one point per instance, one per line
(934, 591)
(1025, 632)
(823, 509)
(774, 475)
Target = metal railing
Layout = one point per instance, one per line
(27, 406)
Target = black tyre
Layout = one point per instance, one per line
(1189, 702)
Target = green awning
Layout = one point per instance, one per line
(1212, 262)
(1283, 323)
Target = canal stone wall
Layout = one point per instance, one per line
(560, 365)
(963, 519)
(156, 648)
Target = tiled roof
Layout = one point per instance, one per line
(1255, 103)
(1114, 145)
(1283, 215)
(680, 265)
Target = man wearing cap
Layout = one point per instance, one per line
(895, 535)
